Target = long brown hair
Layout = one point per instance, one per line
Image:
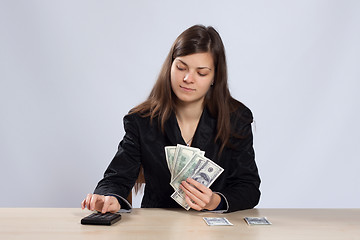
(162, 100)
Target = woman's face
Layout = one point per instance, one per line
(192, 76)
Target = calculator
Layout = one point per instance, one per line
(99, 218)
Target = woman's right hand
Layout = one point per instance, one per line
(101, 203)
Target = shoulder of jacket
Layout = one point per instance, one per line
(135, 117)
(242, 113)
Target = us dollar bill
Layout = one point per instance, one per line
(207, 173)
(183, 155)
(189, 169)
(170, 154)
(180, 199)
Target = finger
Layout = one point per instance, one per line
(94, 200)
(192, 204)
(88, 199)
(196, 200)
(91, 203)
(201, 187)
(191, 190)
(83, 204)
(203, 196)
(107, 202)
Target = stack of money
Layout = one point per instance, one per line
(188, 162)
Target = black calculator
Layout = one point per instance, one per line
(99, 218)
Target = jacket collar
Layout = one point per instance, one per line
(172, 131)
(204, 133)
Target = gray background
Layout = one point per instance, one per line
(70, 71)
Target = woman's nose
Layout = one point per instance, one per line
(188, 77)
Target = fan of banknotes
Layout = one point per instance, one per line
(184, 162)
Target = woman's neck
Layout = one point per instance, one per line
(188, 117)
(189, 112)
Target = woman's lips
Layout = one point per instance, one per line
(187, 89)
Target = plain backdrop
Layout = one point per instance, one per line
(71, 69)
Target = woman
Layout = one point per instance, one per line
(190, 104)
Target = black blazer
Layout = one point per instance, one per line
(144, 142)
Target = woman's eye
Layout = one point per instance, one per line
(180, 68)
(202, 74)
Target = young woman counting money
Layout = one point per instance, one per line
(190, 104)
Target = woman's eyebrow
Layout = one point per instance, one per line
(197, 67)
(182, 62)
(204, 68)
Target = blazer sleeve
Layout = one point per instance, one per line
(121, 174)
(243, 181)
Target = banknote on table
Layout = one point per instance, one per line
(257, 221)
(217, 221)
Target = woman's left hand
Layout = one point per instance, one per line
(198, 196)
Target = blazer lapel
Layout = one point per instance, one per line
(172, 131)
(205, 131)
